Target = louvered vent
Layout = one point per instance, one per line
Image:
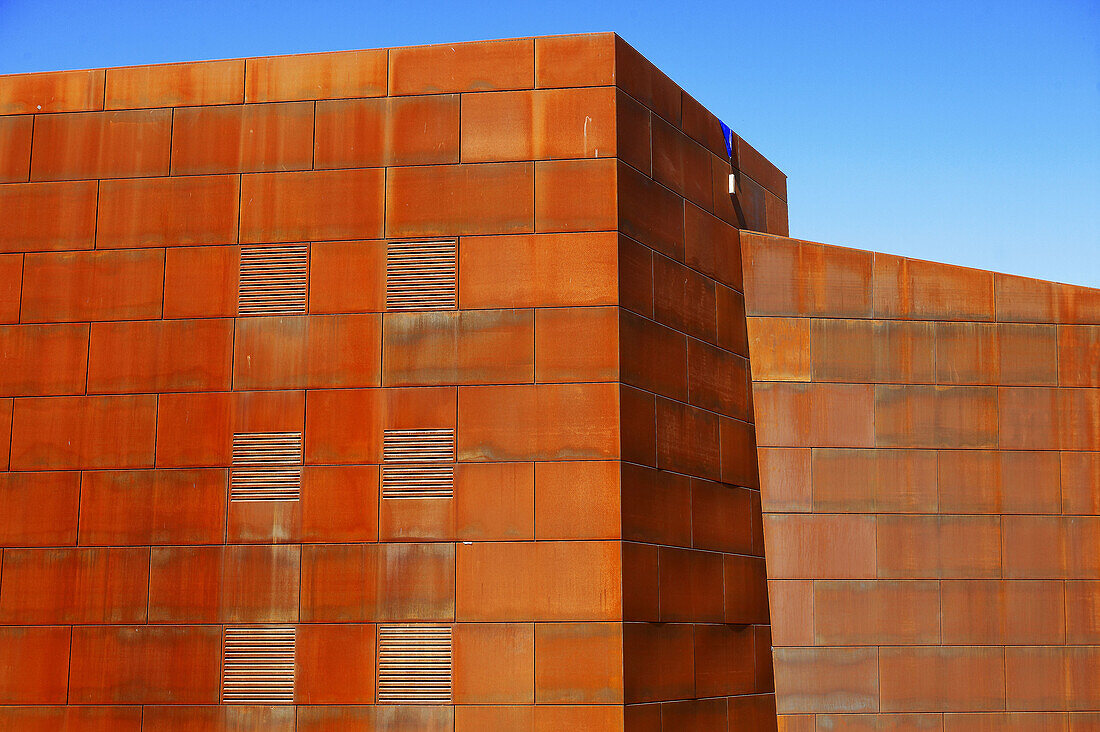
(418, 463)
(273, 279)
(258, 666)
(414, 664)
(421, 275)
(267, 466)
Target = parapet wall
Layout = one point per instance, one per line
(930, 473)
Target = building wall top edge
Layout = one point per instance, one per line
(761, 239)
(595, 34)
(525, 63)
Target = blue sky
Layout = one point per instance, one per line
(964, 132)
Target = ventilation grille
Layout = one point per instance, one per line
(267, 466)
(418, 463)
(414, 664)
(421, 275)
(273, 279)
(258, 666)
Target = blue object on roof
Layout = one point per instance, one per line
(727, 133)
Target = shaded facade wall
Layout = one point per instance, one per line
(132, 367)
(930, 473)
(697, 650)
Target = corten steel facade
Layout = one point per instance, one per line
(930, 467)
(468, 318)
(409, 389)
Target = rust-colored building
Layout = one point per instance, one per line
(410, 389)
(930, 466)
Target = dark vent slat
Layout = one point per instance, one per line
(267, 466)
(421, 275)
(273, 279)
(418, 463)
(414, 664)
(258, 666)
